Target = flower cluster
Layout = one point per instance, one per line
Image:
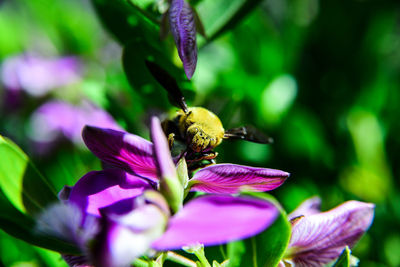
(135, 207)
(38, 77)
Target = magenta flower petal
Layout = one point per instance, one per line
(231, 179)
(183, 28)
(308, 207)
(113, 189)
(161, 150)
(216, 219)
(123, 150)
(320, 238)
(127, 237)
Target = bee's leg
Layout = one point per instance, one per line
(194, 165)
(211, 155)
(200, 160)
(170, 131)
(171, 138)
(195, 157)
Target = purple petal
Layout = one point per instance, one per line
(37, 75)
(161, 150)
(216, 219)
(307, 207)
(47, 126)
(123, 150)
(231, 179)
(320, 238)
(124, 238)
(183, 28)
(110, 188)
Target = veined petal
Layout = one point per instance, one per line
(231, 179)
(307, 207)
(320, 238)
(123, 150)
(127, 237)
(112, 188)
(183, 28)
(216, 219)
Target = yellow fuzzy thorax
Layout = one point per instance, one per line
(202, 127)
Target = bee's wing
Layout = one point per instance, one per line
(168, 82)
(248, 133)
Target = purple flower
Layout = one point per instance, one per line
(132, 219)
(135, 219)
(319, 237)
(56, 118)
(136, 156)
(183, 28)
(37, 75)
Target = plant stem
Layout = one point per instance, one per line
(140, 263)
(221, 249)
(253, 244)
(172, 256)
(202, 257)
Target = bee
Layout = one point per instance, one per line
(199, 128)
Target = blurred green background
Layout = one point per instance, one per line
(321, 77)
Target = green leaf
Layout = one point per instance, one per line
(235, 252)
(13, 163)
(268, 247)
(22, 226)
(24, 189)
(344, 259)
(220, 16)
(20, 181)
(15, 251)
(125, 21)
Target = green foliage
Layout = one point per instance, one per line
(22, 226)
(23, 185)
(125, 21)
(23, 189)
(219, 17)
(20, 253)
(266, 248)
(320, 77)
(344, 259)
